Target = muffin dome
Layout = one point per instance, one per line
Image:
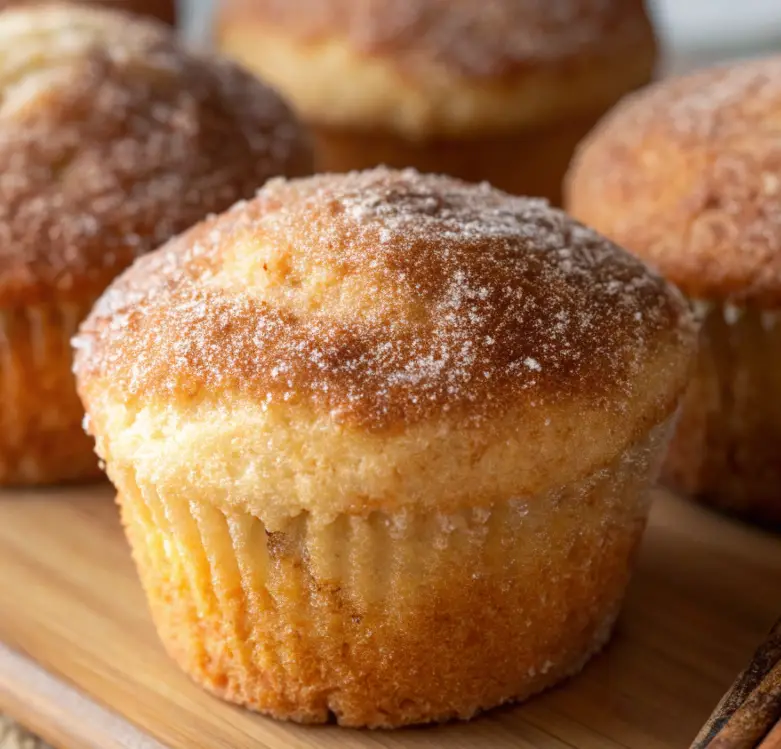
(113, 138)
(429, 68)
(687, 174)
(387, 300)
(500, 91)
(382, 442)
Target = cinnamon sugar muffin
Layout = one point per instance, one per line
(498, 90)
(687, 174)
(163, 10)
(424, 416)
(113, 138)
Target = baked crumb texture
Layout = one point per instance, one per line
(113, 138)
(687, 175)
(382, 441)
(499, 90)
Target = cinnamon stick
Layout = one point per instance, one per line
(749, 714)
(773, 739)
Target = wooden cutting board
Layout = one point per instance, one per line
(81, 665)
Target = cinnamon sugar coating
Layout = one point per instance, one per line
(384, 298)
(687, 174)
(494, 38)
(113, 138)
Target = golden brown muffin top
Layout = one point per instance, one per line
(113, 138)
(490, 38)
(687, 174)
(383, 298)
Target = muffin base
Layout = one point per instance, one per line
(393, 618)
(726, 451)
(528, 163)
(41, 436)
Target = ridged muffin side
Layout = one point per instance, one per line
(392, 618)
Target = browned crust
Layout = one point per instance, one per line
(687, 174)
(390, 681)
(163, 10)
(462, 298)
(135, 140)
(494, 39)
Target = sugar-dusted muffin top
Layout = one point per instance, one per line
(687, 174)
(385, 298)
(113, 138)
(429, 68)
(483, 39)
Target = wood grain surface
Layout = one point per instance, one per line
(81, 664)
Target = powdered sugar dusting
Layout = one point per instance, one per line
(485, 38)
(113, 138)
(713, 103)
(457, 297)
(687, 174)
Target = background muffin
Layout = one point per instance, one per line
(687, 174)
(164, 10)
(113, 138)
(500, 90)
(424, 416)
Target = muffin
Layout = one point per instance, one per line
(164, 10)
(500, 90)
(113, 139)
(383, 441)
(687, 175)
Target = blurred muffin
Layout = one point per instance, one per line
(113, 138)
(424, 415)
(687, 174)
(163, 10)
(500, 90)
